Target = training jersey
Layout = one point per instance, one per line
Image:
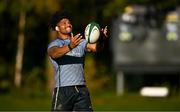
(69, 69)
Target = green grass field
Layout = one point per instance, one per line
(101, 102)
(135, 102)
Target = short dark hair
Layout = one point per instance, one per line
(58, 16)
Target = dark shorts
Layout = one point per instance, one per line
(71, 98)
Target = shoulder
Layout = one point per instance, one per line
(55, 43)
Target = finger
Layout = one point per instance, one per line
(77, 35)
(71, 34)
(78, 39)
(102, 29)
(105, 29)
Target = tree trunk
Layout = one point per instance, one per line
(20, 50)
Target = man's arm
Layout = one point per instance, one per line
(56, 52)
(91, 47)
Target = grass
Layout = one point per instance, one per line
(104, 101)
(12, 102)
(135, 102)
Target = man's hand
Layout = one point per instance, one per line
(75, 40)
(104, 32)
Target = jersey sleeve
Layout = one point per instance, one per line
(54, 43)
(84, 44)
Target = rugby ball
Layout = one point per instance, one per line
(92, 32)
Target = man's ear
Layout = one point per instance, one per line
(57, 28)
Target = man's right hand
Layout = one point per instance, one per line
(75, 40)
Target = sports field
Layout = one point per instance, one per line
(135, 102)
(104, 101)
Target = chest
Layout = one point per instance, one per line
(78, 51)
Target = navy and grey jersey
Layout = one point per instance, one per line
(69, 69)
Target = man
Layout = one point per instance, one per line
(67, 53)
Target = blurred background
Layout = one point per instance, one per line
(139, 68)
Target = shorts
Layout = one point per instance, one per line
(71, 98)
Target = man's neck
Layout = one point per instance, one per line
(64, 36)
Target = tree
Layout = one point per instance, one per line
(20, 50)
(20, 8)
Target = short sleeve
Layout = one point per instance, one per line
(54, 43)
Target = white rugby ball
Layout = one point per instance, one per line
(92, 32)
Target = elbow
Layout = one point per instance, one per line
(53, 56)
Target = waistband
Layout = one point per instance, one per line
(76, 87)
(79, 86)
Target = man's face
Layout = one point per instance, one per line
(64, 26)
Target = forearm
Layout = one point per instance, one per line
(92, 47)
(95, 47)
(56, 52)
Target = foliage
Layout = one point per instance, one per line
(114, 7)
(5, 77)
(2, 6)
(45, 6)
(34, 83)
(96, 77)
